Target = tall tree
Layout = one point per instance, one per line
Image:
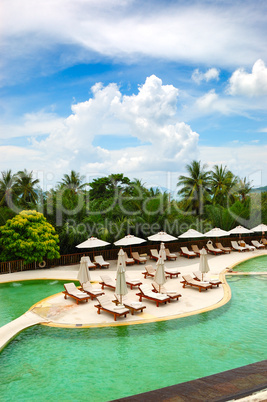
(243, 188)
(73, 182)
(7, 182)
(25, 188)
(222, 181)
(195, 187)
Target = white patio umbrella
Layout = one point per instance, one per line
(129, 240)
(162, 237)
(203, 263)
(83, 274)
(260, 228)
(121, 286)
(240, 230)
(216, 232)
(190, 233)
(160, 277)
(93, 242)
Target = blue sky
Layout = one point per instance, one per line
(140, 88)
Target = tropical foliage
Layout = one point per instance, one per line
(111, 207)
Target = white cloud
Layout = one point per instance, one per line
(254, 84)
(211, 74)
(149, 116)
(205, 32)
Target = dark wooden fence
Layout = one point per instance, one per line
(111, 253)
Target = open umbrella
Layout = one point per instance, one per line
(190, 233)
(129, 240)
(160, 277)
(203, 263)
(162, 237)
(240, 230)
(121, 286)
(93, 242)
(216, 232)
(260, 228)
(83, 274)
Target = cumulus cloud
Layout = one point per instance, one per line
(211, 74)
(149, 116)
(249, 84)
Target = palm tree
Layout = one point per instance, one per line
(25, 187)
(74, 182)
(222, 181)
(6, 187)
(243, 188)
(195, 187)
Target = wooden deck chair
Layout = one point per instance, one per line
(213, 282)
(99, 260)
(196, 249)
(172, 294)
(256, 244)
(137, 258)
(132, 282)
(236, 247)
(172, 272)
(92, 291)
(189, 281)
(105, 304)
(147, 292)
(186, 253)
(248, 247)
(128, 261)
(170, 256)
(72, 291)
(107, 281)
(214, 250)
(224, 249)
(132, 305)
(88, 261)
(149, 271)
(154, 255)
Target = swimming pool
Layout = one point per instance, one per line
(101, 364)
(256, 264)
(18, 297)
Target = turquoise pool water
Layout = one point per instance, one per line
(256, 264)
(102, 364)
(17, 297)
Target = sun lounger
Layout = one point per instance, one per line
(154, 255)
(149, 271)
(128, 261)
(186, 253)
(99, 260)
(107, 281)
(172, 272)
(198, 277)
(256, 244)
(137, 258)
(248, 247)
(214, 250)
(170, 256)
(88, 261)
(132, 305)
(147, 293)
(264, 242)
(172, 294)
(224, 249)
(236, 247)
(91, 291)
(105, 304)
(189, 281)
(132, 282)
(72, 291)
(196, 249)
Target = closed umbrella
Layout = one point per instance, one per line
(203, 263)
(160, 277)
(121, 286)
(83, 274)
(191, 233)
(162, 237)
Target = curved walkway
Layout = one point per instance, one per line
(57, 311)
